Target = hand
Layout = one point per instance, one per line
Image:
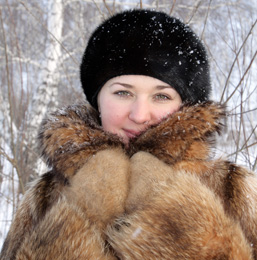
(146, 173)
(100, 187)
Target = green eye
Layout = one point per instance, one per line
(122, 93)
(162, 97)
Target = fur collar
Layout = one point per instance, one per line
(71, 135)
(185, 135)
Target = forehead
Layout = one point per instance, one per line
(131, 80)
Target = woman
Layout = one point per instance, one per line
(132, 176)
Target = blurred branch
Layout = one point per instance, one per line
(234, 62)
(107, 7)
(195, 8)
(74, 60)
(172, 7)
(255, 165)
(241, 80)
(243, 147)
(27, 61)
(240, 128)
(243, 112)
(9, 96)
(99, 10)
(206, 17)
(15, 165)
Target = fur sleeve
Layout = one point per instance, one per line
(37, 200)
(74, 228)
(68, 139)
(172, 215)
(66, 219)
(183, 141)
(237, 189)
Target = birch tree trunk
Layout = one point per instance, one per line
(46, 94)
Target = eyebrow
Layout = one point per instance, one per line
(163, 86)
(123, 84)
(160, 87)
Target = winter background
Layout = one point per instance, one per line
(41, 45)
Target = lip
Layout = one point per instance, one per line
(131, 133)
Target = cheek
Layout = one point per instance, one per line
(163, 113)
(174, 109)
(112, 118)
(175, 106)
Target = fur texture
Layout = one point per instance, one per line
(186, 135)
(162, 46)
(75, 227)
(68, 139)
(102, 202)
(70, 136)
(172, 215)
(185, 140)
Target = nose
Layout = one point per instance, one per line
(140, 112)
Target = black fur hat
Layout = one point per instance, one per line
(150, 43)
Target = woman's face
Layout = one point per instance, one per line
(131, 103)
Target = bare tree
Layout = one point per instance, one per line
(47, 92)
(41, 45)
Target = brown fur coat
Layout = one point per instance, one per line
(163, 198)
